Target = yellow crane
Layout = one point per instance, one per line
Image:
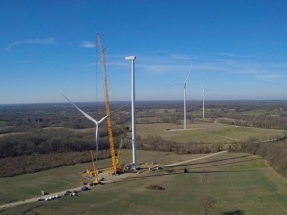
(94, 172)
(116, 167)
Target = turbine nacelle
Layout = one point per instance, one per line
(130, 58)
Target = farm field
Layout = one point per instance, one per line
(239, 183)
(205, 132)
(255, 112)
(2, 123)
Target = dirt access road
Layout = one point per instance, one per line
(108, 180)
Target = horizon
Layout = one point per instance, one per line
(139, 101)
(235, 50)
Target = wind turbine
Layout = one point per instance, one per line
(184, 100)
(202, 95)
(94, 121)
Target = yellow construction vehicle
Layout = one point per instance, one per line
(93, 172)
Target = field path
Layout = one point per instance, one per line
(13, 204)
(60, 193)
(182, 162)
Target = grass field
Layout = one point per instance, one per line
(205, 132)
(240, 183)
(255, 112)
(71, 129)
(2, 123)
(159, 110)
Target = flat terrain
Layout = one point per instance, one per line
(205, 132)
(239, 183)
(199, 132)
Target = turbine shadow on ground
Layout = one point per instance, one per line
(225, 159)
(217, 165)
(160, 174)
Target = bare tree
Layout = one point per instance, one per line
(207, 202)
(205, 176)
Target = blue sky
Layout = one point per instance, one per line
(234, 49)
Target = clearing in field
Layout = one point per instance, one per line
(236, 183)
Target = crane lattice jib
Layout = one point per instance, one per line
(108, 112)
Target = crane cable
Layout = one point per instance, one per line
(97, 106)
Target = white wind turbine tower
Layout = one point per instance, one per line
(184, 100)
(94, 121)
(202, 95)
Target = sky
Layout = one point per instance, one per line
(234, 49)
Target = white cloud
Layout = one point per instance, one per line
(268, 77)
(279, 65)
(173, 63)
(168, 63)
(87, 44)
(229, 54)
(33, 41)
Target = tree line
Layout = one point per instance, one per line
(53, 141)
(274, 151)
(46, 129)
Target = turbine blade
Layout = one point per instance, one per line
(186, 78)
(85, 114)
(123, 106)
(175, 84)
(102, 119)
(120, 108)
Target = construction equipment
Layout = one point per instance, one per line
(93, 172)
(119, 151)
(115, 165)
(120, 147)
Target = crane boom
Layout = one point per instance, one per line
(96, 180)
(116, 167)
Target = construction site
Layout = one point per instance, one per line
(179, 178)
(94, 175)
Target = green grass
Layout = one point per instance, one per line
(236, 181)
(157, 110)
(255, 112)
(205, 132)
(2, 123)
